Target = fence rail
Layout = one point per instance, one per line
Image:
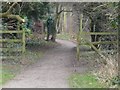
(83, 41)
(10, 31)
(101, 42)
(99, 33)
(7, 49)
(11, 40)
(21, 40)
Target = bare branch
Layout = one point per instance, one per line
(60, 12)
(11, 7)
(100, 6)
(6, 15)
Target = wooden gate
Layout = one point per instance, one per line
(21, 41)
(83, 41)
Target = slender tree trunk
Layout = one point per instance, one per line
(119, 39)
(59, 20)
(55, 20)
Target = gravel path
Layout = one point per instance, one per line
(51, 71)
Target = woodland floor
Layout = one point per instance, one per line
(52, 70)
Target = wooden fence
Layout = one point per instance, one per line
(83, 41)
(21, 40)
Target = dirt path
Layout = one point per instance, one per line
(52, 71)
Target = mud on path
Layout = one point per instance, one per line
(51, 71)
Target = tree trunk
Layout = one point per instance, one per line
(119, 38)
(55, 23)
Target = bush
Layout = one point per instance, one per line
(108, 73)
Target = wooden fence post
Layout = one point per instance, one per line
(118, 39)
(23, 41)
(64, 29)
(79, 37)
(70, 31)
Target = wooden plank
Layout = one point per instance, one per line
(6, 31)
(67, 11)
(104, 51)
(96, 50)
(99, 33)
(8, 57)
(13, 40)
(23, 41)
(11, 50)
(102, 42)
(10, 40)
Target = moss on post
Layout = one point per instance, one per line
(23, 41)
(79, 37)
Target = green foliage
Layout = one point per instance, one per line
(116, 80)
(35, 9)
(114, 15)
(12, 67)
(114, 23)
(5, 76)
(28, 32)
(84, 81)
(40, 43)
(29, 9)
(31, 57)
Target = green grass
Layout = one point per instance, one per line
(32, 54)
(40, 43)
(84, 81)
(11, 68)
(5, 76)
(63, 36)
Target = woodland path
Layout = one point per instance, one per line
(51, 71)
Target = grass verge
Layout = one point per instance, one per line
(64, 36)
(10, 68)
(6, 76)
(84, 81)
